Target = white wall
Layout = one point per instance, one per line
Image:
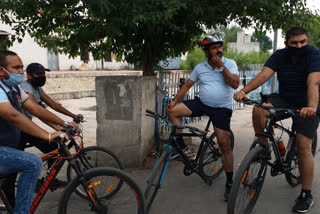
(29, 51)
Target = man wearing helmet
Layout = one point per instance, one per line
(218, 76)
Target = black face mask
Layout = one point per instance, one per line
(299, 52)
(38, 81)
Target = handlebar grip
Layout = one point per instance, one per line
(77, 120)
(58, 139)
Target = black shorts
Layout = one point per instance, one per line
(220, 117)
(305, 126)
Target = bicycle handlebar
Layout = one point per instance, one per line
(157, 116)
(273, 111)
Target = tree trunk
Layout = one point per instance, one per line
(148, 63)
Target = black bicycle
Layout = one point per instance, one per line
(207, 163)
(250, 176)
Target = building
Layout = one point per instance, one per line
(29, 51)
(244, 44)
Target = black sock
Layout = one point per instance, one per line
(180, 142)
(307, 193)
(229, 178)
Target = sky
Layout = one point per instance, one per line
(312, 4)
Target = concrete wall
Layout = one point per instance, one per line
(121, 122)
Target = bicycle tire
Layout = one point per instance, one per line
(106, 158)
(155, 178)
(129, 199)
(293, 177)
(242, 181)
(210, 154)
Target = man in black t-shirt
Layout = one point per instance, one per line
(298, 72)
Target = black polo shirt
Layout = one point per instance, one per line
(293, 77)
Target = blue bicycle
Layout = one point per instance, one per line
(207, 163)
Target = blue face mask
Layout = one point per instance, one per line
(15, 79)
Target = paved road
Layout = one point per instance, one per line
(188, 195)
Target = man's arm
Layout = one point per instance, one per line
(54, 105)
(181, 93)
(261, 78)
(42, 113)
(313, 82)
(54, 126)
(231, 79)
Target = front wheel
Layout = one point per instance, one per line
(210, 160)
(248, 182)
(157, 175)
(96, 183)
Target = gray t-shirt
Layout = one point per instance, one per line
(36, 93)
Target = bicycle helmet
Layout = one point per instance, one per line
(210, 40)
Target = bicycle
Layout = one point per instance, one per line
(92, 157)
(103, 185)
(206, 163)
(250, 176)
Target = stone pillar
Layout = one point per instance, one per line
(121, 122)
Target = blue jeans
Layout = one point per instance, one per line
(29, 166)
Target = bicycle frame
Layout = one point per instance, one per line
(268, 132)
(190, 164)
(52, 173)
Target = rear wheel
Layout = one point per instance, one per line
(248, 182)
(293, 176)
(96, 182)
(92, 157)
(155, 180)
(210, 160)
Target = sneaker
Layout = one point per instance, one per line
(57, 184)
(227, 192)
(303, 203)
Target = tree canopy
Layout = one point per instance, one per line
(139, 31)
(264, 40)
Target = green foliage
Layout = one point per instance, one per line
(197, 56)
(194, 57)
(229, 34)
(139, 31)
(264, 40)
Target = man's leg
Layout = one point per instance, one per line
(306, 167)
(29, 165)
(179, 110)
(45, 147)
(259, 118)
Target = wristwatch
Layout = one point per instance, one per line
(221, 68)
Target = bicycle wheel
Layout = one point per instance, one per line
(210, 160)
(293, 177)
(248, 182)
(97, 182)
(155, 180)
(92, 157)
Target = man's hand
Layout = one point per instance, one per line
(308, 112)
(217, 61)
(170, 106)
(57, 134)
(80, 116)
(238, 96)
(73, 125)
